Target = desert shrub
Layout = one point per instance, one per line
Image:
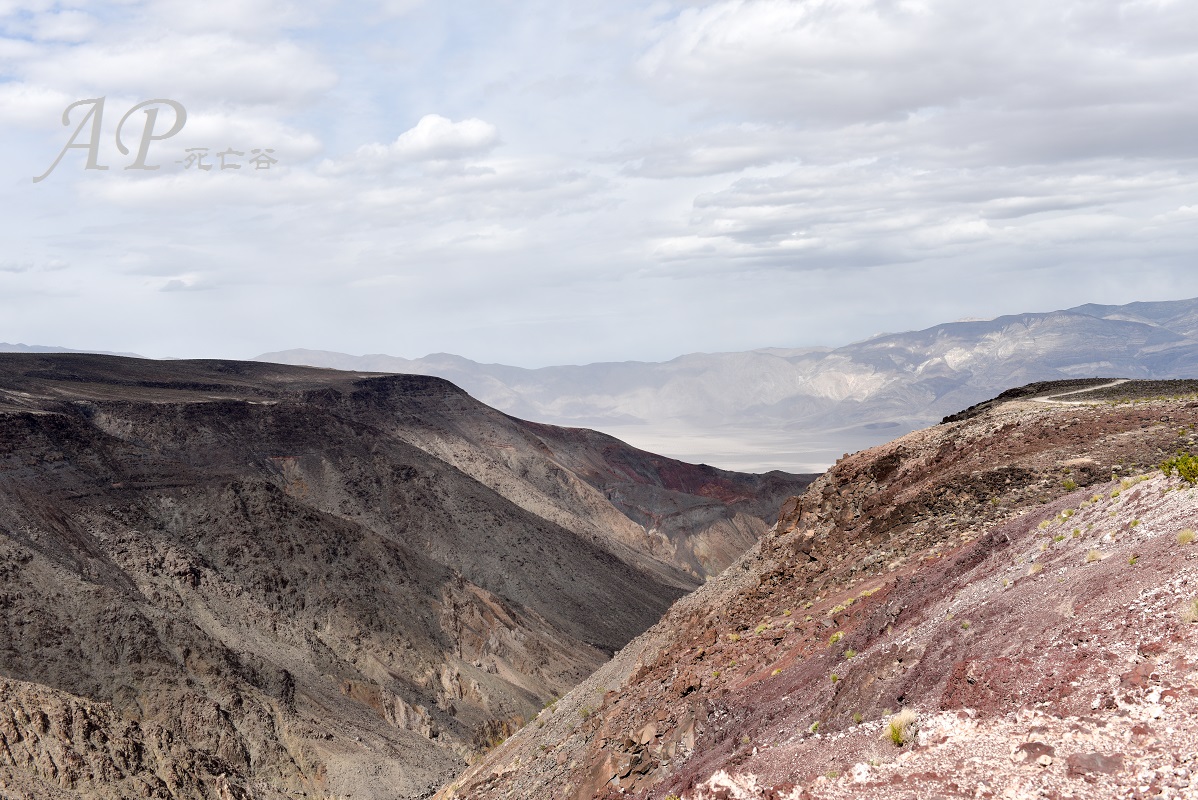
(1186, 536)
(1184, 464)
(1094, 555)
(835, 677)
(849, 653)
(1069, 484)
(1035, 569)
(900, 729)
(836, 637)
(857, 717)
(1189, 614)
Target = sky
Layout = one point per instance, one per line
(561, 182)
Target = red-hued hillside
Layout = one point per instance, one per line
(1019, 583)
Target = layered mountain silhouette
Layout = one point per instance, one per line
(240, 579)
(804, 408)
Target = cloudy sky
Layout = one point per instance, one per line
(563, 182)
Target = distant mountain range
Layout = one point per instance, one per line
(5, 347)
(800, 409)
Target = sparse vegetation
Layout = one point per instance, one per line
(584, 712)
(1184, 464)
(965, 625)
(849, 653)
(835, 678)
(1069, 484)
(836, 637)
(1189, 614)
(1187, 536)
(1133, 560)
(857, 718)
(762, 628)
(775, 673)
(1035, 569)
(1094, 555)
(814, 727)
(900, 729)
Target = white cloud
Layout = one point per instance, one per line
(437, 138)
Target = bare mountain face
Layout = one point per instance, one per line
(1004, 605)
(803, 408)
(232, 580)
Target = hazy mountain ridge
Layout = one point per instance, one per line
(719, 407)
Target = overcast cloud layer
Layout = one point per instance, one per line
(562, 182)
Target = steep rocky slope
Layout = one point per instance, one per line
(226, 579)
(788, 407)
(1020, 583)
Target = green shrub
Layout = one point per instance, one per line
(1184, 464)
(1069, 484)
(836, 637)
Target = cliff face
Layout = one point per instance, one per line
(241, 580)
(1019, 583)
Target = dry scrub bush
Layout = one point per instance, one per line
(901, 727)
(1186, 536)
(1189, 614)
